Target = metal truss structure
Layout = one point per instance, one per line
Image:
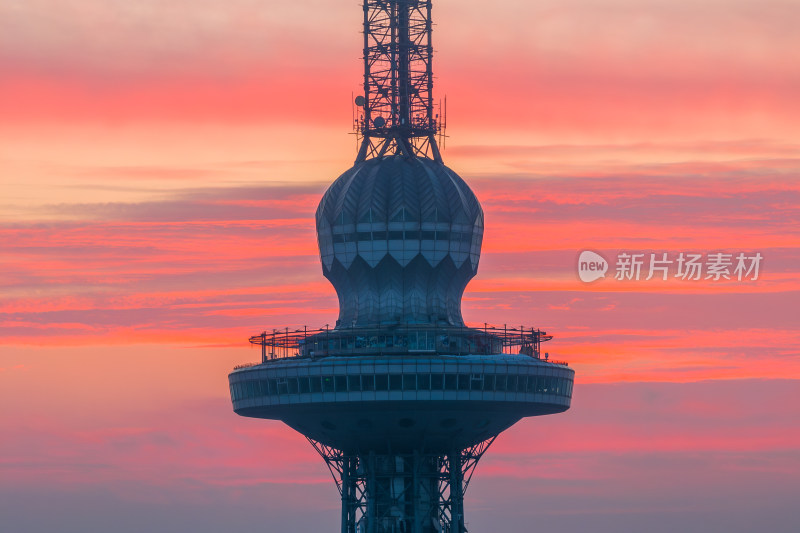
(418, 492)
(398, 110)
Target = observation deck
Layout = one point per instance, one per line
(398, 388)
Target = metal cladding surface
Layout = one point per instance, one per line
(399, 239)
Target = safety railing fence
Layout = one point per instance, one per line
(403, 339)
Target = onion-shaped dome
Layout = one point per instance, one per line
(399, 239)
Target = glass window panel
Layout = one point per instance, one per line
(476, 382)
(488, 382)
(354, 383)
(500, 383)
(409, 382)
(327, 384)
(293, 388)
(341, 383)
(368, 382)
(304, 386)
(450, 381)
(412, 341)
(511, 384)
(316, 383)
(381, 382)
(423, 381)
(463, 381)
(437, 382)
(395, 382)
(283, 386)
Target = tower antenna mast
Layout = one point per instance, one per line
(397, 112)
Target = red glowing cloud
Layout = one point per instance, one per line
(161, 163)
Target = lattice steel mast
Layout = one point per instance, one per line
(397, 105)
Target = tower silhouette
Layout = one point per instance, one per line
(401, 398)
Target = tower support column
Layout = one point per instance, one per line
(415, 492)
(456, 492)
(349, 489)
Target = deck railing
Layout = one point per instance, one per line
(408, 339)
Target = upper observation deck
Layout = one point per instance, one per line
(394, 387)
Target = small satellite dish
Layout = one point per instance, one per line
(360, 101)
(379, 122)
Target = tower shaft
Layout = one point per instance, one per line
(398, 112)
(415, 492)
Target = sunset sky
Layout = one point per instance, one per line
(160, 165)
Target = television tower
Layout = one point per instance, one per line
(401, 398)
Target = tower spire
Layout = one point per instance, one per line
(397, 111)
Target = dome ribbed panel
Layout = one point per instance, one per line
(399, 239)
